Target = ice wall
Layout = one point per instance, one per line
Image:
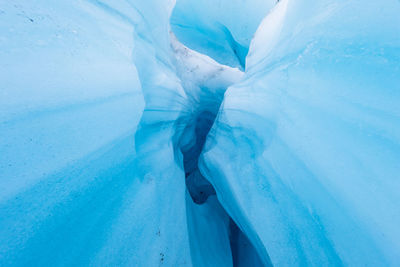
(219, 28)
(74, 77)
(106, 158)
(99, 117)
(304, 154)
(65, 71)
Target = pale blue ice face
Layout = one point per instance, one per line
(71, 97)
(307, 145)
(219, 28)
(199, 133)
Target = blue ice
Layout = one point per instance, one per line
(199, 133)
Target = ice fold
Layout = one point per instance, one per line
(218, 28)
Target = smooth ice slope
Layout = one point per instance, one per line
(64, 71)
(305, 152)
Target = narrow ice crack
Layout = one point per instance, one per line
(205, 82)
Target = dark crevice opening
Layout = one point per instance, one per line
(190, 143)
(243, 252)
(198, 186)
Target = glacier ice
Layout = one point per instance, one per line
(72, 192)
(304, 154)
(199, 133)
(219, 28)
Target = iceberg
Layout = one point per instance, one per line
(199, 133)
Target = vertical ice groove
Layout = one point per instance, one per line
(205, 82)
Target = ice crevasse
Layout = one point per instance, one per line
(199, 133)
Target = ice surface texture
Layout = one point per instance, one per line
(115, 149)
(219, 28)
(305, 151)
(73, 191)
